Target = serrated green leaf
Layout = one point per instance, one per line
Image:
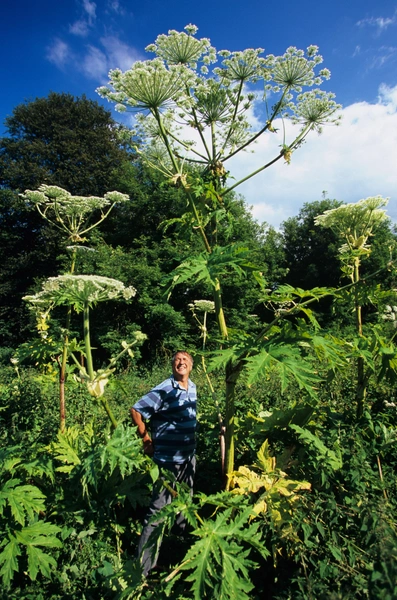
(39, 561)
(66, 449)
(332, 458)
(23, 500)
(122, 451)
(288, 363)
(8, 558)
(30, 538)
(208, 268)
(219, 561)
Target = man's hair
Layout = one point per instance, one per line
(185, 353)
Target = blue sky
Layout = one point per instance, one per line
(70, 45)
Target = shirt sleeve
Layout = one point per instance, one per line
(149, 404)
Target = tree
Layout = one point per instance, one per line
(60, 140)
(312, 257)
(310, 253)
(175, 89)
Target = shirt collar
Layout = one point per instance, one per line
(175, 384)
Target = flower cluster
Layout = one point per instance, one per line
(202, 306)
(81, 291)
(390, 314)
(355, 222)
(244, 66)
(148, 85)
(180, 48)
(69, 213)
(315, 108)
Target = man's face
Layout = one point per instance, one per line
(182, 366)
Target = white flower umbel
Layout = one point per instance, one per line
(70, 213)
(80, 291)
(202, 306)
(355, 222)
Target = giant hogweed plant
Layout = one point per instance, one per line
(74, 217)
(194, 118)
(355, 224)
(82, 293)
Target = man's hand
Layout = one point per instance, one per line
(148, 447)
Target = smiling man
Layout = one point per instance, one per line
(169, 412)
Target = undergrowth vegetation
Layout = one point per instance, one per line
(311, 512)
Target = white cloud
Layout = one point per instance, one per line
(90, 9)
(115, 54)
(380, 23)
(119, 54)
(82, 26)
(349, 162)
(95, 64)
(115, 6)
(59, 53)
(384, 54)
(79, 28)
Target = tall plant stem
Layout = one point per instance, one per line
(87, 343)
(175, 165)
(64, 358)
(62, 372)
(90, 366)
(361, 388)
(109, 412)
(222, 428)
(219, 312)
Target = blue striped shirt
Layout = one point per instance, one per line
(171, 411)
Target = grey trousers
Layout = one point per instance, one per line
(183, 473)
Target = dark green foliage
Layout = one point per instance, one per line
(28, 248)
(311, 253)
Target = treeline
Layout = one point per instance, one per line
(74, 143)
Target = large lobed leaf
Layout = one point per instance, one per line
(30, 538)
(219, 559)
(24, 500)
(287, 361)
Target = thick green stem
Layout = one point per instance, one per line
(220, 315)
(62, 373)
(229, 423)
(64, 358)
(87, 343)
(213, 142)
(165, 140)
(232, 375)
(361, 388)
(186, 188)
(109, 412)
(90, 366)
